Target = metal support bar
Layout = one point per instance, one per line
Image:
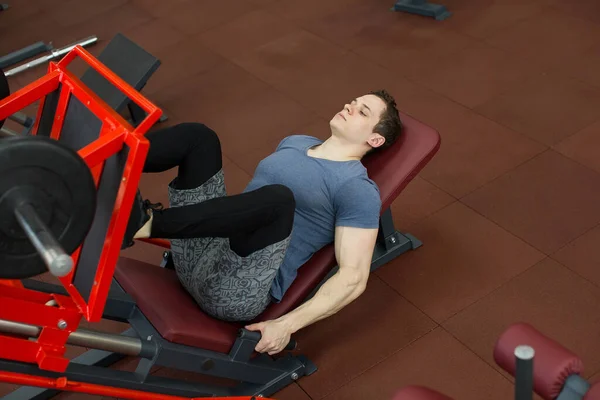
(524, 372)
(84, 338)
(58, 262)
(54, 54)
(22, 119)
(5, 132)
(23, 54)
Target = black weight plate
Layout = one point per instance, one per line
(58, 183)
(4, 90)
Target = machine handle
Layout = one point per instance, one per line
(256, 336)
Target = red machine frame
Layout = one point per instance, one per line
(30, 307)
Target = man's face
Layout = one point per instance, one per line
(355, 123)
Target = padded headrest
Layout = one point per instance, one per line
(393, 168)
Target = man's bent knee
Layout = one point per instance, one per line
(282, 195)
(204, 136)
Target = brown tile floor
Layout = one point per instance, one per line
(508, 210)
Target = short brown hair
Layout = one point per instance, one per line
(389, 125)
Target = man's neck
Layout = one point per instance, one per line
(334, 149)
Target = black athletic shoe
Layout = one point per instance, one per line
(138, 217)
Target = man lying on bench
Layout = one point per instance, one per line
(236, 254)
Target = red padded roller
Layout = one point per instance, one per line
(552, 363)
(414, 392)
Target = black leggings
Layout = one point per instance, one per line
(251, 220)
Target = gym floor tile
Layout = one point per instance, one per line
(369, 330)
(582, 255)
(157, 8)
(549, 37)
(221, 86)
(407, 47)
(195, 16)
(30, 30)
(470, 139)
(102, 25)
(475, 74)
(548, 201)
(484, 18)
(292, 392)
(289, 57)
(345, 26)
(21, 10)
(585, 67)
(583, 146)
(179, 64)
(464, 258)
(550, 297)
(267, 116)
(437, 361)
(586, 9)
(336, 82)
(422, 103)
(154, 36)
(68, 13)
(548, 107)
(244, 34)
(419, 200)
(301, 12)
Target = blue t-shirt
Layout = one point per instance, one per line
(327, 193)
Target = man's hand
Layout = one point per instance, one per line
(354, 251)
(275, 336)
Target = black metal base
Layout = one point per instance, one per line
(259, 376)
(422, 7)
(402, 242)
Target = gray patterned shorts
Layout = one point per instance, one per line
(225, 285)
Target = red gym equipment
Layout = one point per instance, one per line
(51, 318)
(539, 364)
(79, 146)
